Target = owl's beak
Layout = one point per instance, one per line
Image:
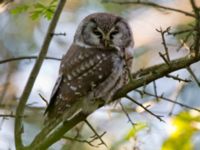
(106, 41)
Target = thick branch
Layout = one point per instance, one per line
(152, 73)
(33, 75)
(57, 134)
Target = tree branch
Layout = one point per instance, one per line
(197, 28)
(24, 58)
(33, 75)
(150, 4)
(155, 72)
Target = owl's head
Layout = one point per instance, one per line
(104, 30)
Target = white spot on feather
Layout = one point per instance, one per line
(82, 67)
(91, 62)
(67, 106)
(77, 93)
(104, 55)
(64, 80)
(60, 96)
(78, 70)
(80, 57)
(73, 88)
(98, 57)
(100, 76)
(85, 74)
(69, 77)
(93, 84)
(74, 74)
(87, 65)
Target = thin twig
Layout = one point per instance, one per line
(11, 115)
(151, 4)
(155, 90)
(193, 75)
(162, 32)
(89, 142)
(45, 101)
(178, 78)
(163, 57)
(169, 100)
(127, 115)
(25, 58)
(184, 41)
(96, 134)
(145, 108)
(180, 32)
(58, 34)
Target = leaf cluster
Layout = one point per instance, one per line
(185, 125)
(37, 9)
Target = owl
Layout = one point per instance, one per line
(94, 67)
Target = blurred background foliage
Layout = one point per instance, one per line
(23, 24)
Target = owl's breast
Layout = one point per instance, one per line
(92, 74)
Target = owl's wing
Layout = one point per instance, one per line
(54, 93)
(81, 70)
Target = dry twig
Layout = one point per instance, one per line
(145, 108)
(25, 58)
(127, 115)
(89, 142)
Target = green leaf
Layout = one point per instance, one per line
(19, 9)
(137, 128)
(38, 9)
(41, 10)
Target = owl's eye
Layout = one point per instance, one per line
(97, 32)
(113, 33)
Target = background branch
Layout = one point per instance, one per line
(150, 4)
(25, 58)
